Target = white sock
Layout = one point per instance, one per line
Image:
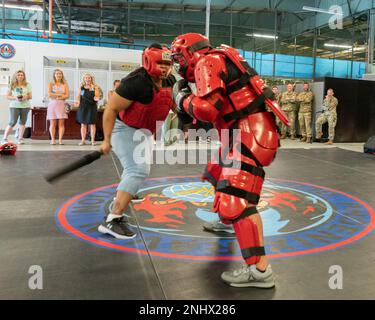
(112, 216)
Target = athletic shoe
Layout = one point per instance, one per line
(218, 226)
(4, 141)
(137, 199)
(117, 228)
(21, 141)
(249, 276)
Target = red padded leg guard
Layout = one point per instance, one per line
(248, 239)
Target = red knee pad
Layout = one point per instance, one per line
(229, 207)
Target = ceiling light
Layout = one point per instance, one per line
(257, 35)
(337, 46)
(354, 49)
(306, 8)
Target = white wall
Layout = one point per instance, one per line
(32, 53)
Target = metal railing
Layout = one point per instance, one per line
(61, 38)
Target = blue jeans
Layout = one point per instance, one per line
(19, 114)
(133, 147)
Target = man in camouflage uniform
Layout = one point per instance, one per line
(329, 115)
(276, 92)
(288, 105)
(305, 98)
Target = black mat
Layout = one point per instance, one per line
(73, 269)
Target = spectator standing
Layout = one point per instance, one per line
(58, 92)
(87, 102)
(19, 94)
(116, 84)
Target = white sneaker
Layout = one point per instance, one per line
(137, 199)
(218, 226)
(249, 276)
(4, 141)
(21, 141)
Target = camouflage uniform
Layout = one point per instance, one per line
(288, 105)
(305, 99)
(277, 98)
(330, 115)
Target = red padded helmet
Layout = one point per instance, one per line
(8, 149)
(152, 55)
(187, 49)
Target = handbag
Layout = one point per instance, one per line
(68, 107)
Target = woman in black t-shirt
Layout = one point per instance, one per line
(129, 122)
(87, 102)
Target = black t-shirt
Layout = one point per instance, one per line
(138, 86)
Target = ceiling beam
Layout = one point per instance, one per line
(155, 6)
(350, 8)
(278, 3)
(243, 10)
(295, 14)
(228, 6)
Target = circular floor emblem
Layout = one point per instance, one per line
(298, 218)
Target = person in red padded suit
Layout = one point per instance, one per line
(231, 95)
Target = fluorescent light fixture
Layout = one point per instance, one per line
(36, 30)
(360, 48)
(354, 49)
(306, 8)
(257, 35)
(337, 46)
(30, 8)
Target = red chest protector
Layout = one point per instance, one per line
(145, 116)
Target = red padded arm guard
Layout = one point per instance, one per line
(204, 109)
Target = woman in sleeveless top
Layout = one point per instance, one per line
(58, 92)
(87, 113)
